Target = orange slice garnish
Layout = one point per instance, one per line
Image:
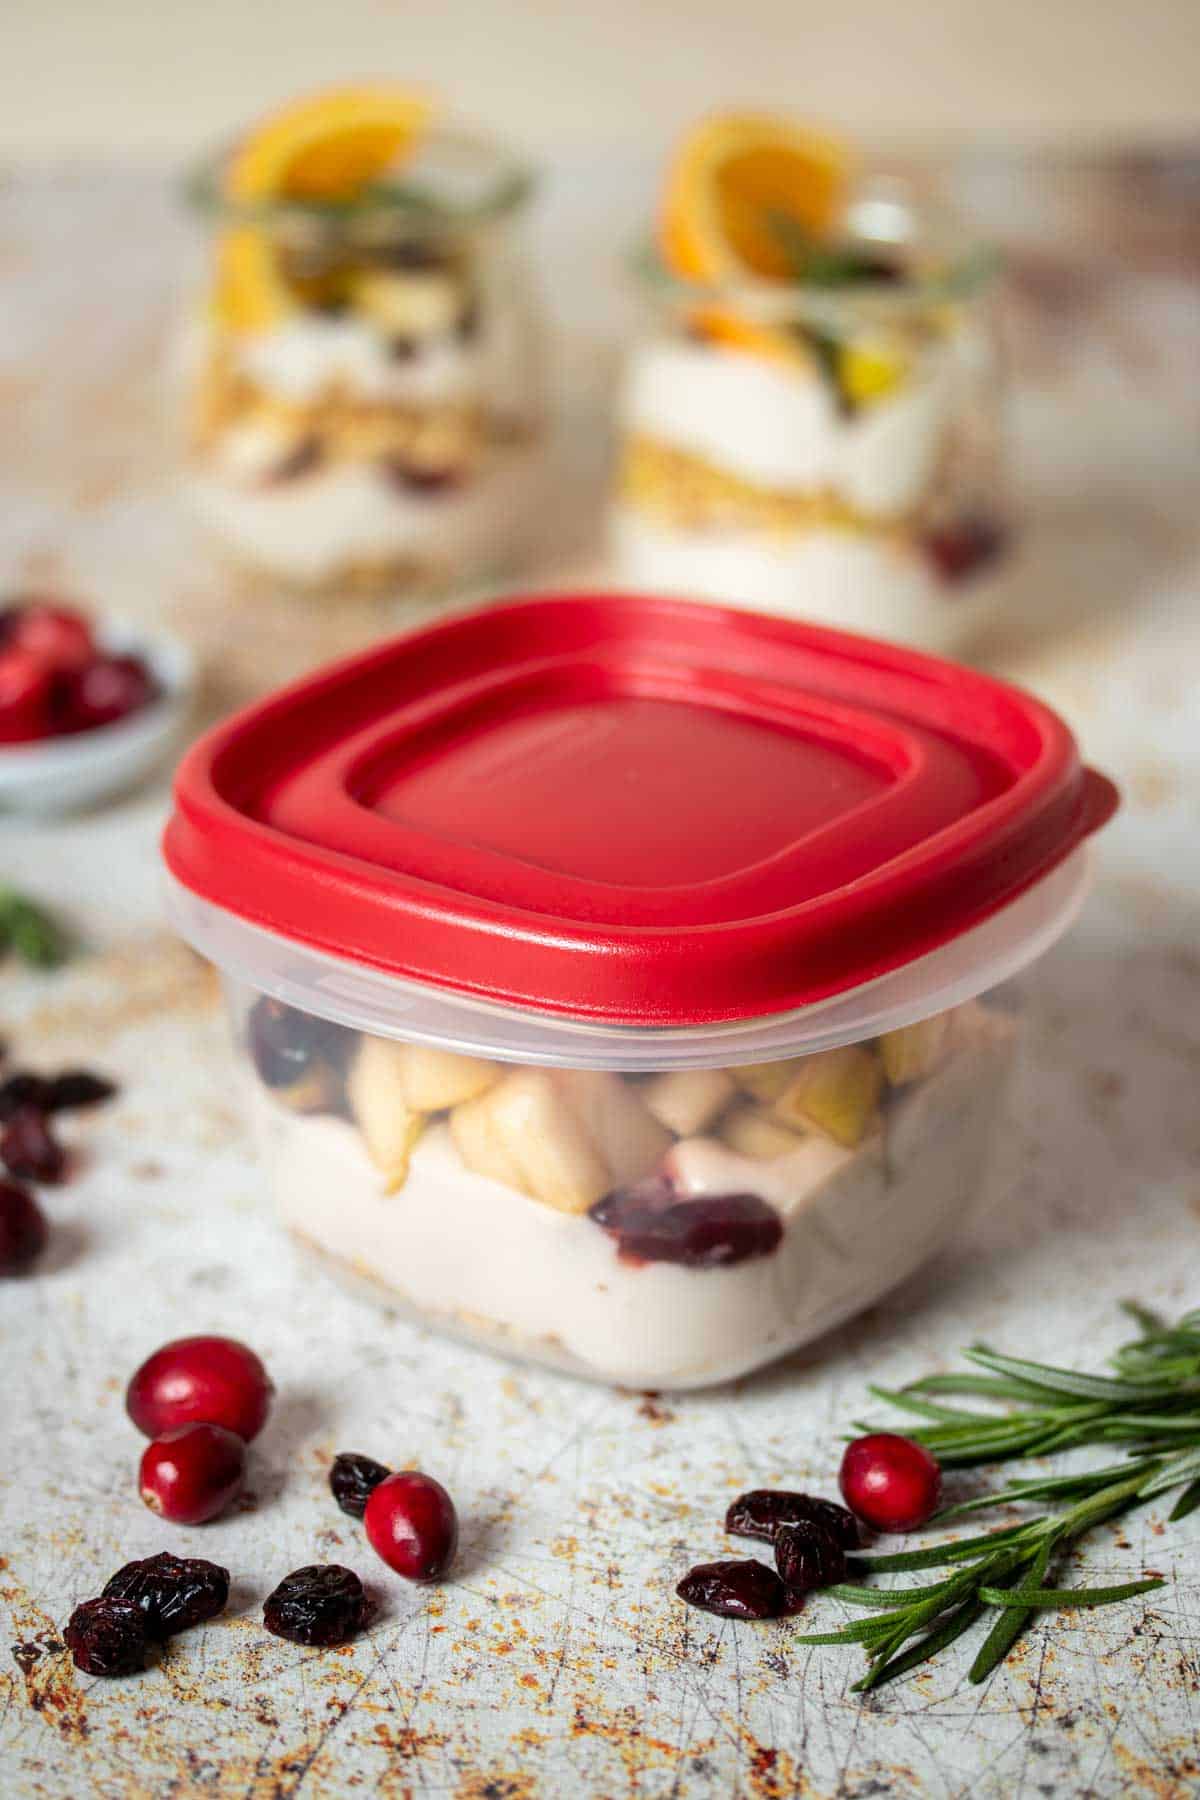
(739, 183)
(326, 147)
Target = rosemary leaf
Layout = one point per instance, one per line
(1187, 1502)
(1010, 1624)
(959, 1621)
(1039, 1597)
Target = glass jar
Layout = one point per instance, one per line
(827, 449)
(364, 385)
(657, 1084)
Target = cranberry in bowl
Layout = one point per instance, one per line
(87, 707)
(616, 978)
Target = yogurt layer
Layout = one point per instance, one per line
(780, 428)
(835, 577)
(483, 1259)
(308, 529)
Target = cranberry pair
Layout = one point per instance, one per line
(810, 1538)
(144, 1603)
(201, 1400)
(29, 1149)
(55, 679)
(409, 1518)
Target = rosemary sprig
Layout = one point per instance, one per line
(30, 932)
(1151, 1404)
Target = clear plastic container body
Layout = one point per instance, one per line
(363, 384)
(825, 452)
(662, 1228)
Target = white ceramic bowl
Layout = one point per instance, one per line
(62, 774)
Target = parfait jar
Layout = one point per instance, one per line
(363, 378)
(827, 448)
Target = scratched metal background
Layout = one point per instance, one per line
(556, 1662)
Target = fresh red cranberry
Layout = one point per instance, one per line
(322, 1604)
(735, 1590)
(411, 1523)
(214, 1380)
(26, 694)
(108, 689)
(107, 1637)
(23, 1229)
(807, 1556)
(889, 1482)
(191, 1475)
(29, 1149)
(761, 1513)
(60, 638)
(959, 549)
(652, 1222)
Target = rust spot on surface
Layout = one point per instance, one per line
(46, 1668)
(497, 1787)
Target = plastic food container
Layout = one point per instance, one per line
(824, 450)
(363, 384)
(611, 975)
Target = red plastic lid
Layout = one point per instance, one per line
(632, 810)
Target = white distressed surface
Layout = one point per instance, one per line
(556, 1661)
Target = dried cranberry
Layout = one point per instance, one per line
(959, 549)
(29, 1149)
(889, 1481)
(190, 1476)
(76, 1088)
(411, 1523)
(469, 321)
(761, 1512)
(23, 1229)
(215, 1380)
(422, 481)
(321, 1604)
(651, 1223)
(807, 1556)
(308, 455)
(23, 1089)
(353, 1479)
(284, 1042)
(107, 1637)
(173, 1592)
(735, 1590)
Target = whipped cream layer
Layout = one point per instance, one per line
(779, 426)
(479, 1258)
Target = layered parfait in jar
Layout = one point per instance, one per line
(363, 370)
(618, 981)
(810, 419)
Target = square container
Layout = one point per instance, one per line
(610, 972)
